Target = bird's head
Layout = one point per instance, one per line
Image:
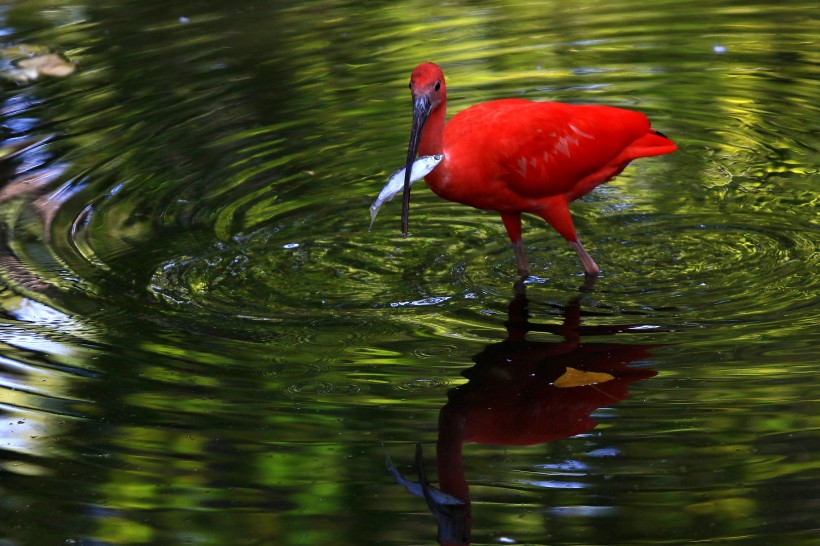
(428, 91)
(427, 87)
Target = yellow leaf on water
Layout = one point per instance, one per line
(579, 378)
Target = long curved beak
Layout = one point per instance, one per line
(421, 110)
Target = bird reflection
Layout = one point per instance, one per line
(520, 393)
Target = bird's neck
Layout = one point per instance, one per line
(431, 139)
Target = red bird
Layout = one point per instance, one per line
(514, 155)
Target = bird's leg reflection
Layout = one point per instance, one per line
(522, 392)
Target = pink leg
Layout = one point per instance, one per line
(556, 213)
(523, 266)
(512, 221)
(590, 267)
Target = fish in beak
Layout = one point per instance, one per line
(421, 168)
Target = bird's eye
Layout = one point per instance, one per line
(438, 85)
(410, 85)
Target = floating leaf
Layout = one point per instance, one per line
(580, 378)
(48, 65)
(31, 68)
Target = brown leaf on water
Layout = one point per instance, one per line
(580, 378)
(32, 67)
(48, 65)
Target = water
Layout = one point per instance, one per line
(201, 343)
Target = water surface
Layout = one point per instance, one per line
(201, 342)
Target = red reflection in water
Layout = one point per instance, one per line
(524, 392)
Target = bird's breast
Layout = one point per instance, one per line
(471, 180)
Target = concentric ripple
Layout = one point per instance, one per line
(201, 341)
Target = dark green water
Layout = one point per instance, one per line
(201, 342)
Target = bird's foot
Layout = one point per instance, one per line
(589, 282)
(590, 267)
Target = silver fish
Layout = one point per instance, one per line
(395, 184)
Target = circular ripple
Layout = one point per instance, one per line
(709, 267)
(421, 384)
(436, 351)
(325, 388)
(337, 389)
(287, 370)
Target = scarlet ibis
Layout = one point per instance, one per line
(515, 156)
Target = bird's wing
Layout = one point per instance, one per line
(549, 149)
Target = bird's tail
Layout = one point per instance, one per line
(652, 143)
